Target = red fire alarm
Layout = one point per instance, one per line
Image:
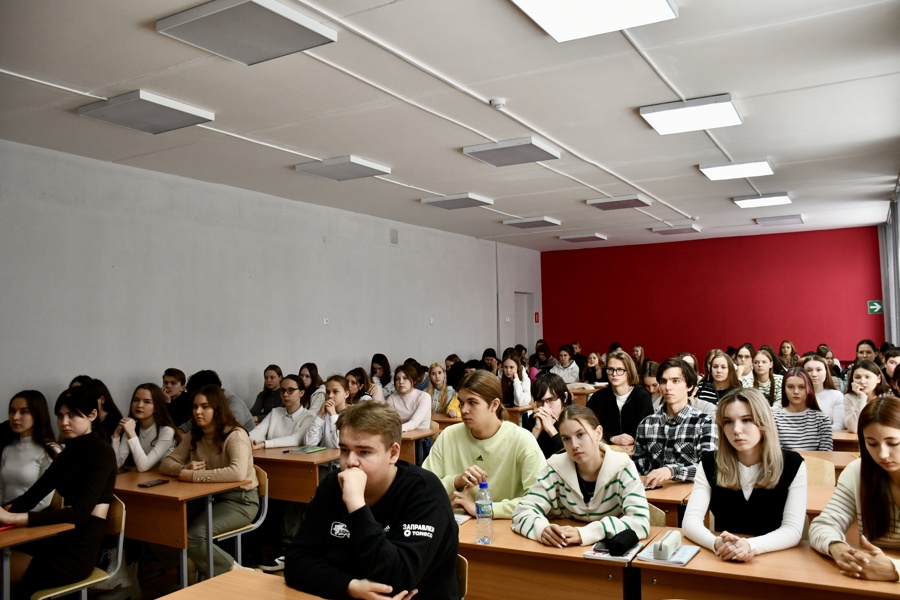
(537, 317)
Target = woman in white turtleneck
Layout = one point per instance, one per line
(27, 446)
(413, 406)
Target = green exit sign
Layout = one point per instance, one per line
(876, 307)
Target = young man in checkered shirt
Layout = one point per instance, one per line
(669, 443)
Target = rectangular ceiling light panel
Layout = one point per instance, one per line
(568, 20)
(146, 111)
(580, 238)
(776, 221)
(455, 201)
(246, 31)
(532, 222)
(512, 152)
(619, 202)
(692, 228)
(762, 200)
(343, 168)
(692, 115)
(737, 170)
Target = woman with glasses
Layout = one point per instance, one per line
(284, 426)
(744, 360)
(551, 396)
(623, 404)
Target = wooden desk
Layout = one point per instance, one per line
(581, 395)
(159, 514)
(293, 476)
(844, 441)
(408, 443)
(515, 567)
(669, 498)
(21, 535)
(444, 421)
(240, 585)
(514, 413)
(798, 572)
(817, 496)
(840, 459)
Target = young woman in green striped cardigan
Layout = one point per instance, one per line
(589, 483)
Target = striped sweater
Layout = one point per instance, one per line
(619, 502)
(806, 430)
(843, 509)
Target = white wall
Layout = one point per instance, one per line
(118, 273)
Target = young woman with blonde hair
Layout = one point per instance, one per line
(750, 485)
(721, 378)
(764, 378)
(590, 483)
(443, 396)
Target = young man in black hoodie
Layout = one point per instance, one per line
(381, 528)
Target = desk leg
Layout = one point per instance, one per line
(182, 569)
(6, 585)
(210, 569)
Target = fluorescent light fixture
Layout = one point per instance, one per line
(512, 152)
(146, 111)
(619, 202)
(762, 200)
(692, 228)
(455, 201)
(532, 222)
(783, 220)
(737, 170)
(580, 238)
(568, 20)
(246, 31)
(343, 168)
(692, 115)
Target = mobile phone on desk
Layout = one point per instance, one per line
(123, 470)
(152, 483)
(658, 486)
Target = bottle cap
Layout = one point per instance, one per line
(483, 485)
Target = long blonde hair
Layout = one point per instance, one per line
(442, 397)
(728, 471)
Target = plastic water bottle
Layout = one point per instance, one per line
(484, 514)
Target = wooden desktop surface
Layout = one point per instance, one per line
(293, 476)
(159, 514)
(21, 535)
(840, 459)
(445, 421)
(408, 443)
(817, 496)
(796, 572)
(514, 413)
(240, 585)
(581, 395)
(844, 441)
(516, 567)
(669, 498)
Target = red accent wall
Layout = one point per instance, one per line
(691, 296)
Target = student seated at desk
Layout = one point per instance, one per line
(868, 492)
(270, 396)
(801, 425)
(413, 406)
(514, 381)
(566, 368)
(26, 446)
(551, 396)
(286, 425)
(361, 387)
(764, 377)
(866, 383)
(721, 378)
(750, 485)
(485, 447)
(323, 430)
(381, 528)
(670, 443)
(84, 474)
(623, 404)
(238, 407)
(828, 395)
(313, 385)
(149, 430)
(443, 396)
(589, 482)
(216, 449)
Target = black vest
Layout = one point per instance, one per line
(759, 515)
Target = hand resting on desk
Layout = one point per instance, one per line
(865, 562)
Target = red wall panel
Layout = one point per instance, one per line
(691, 296)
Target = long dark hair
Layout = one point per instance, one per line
(160, 407)
(382, 361)
(42, 432)
(875, 483)
(222, 417)
(314, 379)
(99, 390)
(362, 380)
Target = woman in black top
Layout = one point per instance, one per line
(108, 414)
(623, 404)
(85, 475)
(550, 396)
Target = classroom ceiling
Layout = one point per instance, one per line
(407, 84)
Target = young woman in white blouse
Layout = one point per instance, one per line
(361, 387)
(285, 425)
(764, 378)
(801, 425)
(148, 429)
(868, 494)
(750, 485)
(566, 368)
(27, 446)
(828, 396)
(514, 382)
(865, 382)
(323, 430)
(744, 360)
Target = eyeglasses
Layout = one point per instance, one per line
(546, 400)
(612, 371)
(289, 391)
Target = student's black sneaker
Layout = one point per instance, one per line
(272, 566)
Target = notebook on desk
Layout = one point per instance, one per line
(605, 555)
(680, 557)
